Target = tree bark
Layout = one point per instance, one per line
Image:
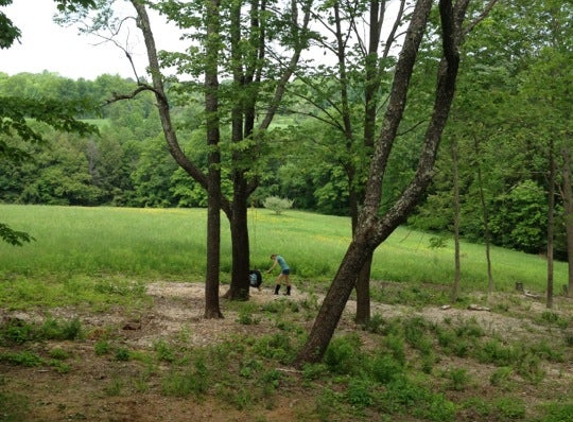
(363, 313)
(239, 289)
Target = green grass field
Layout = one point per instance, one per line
(169, 244)
(82, 337)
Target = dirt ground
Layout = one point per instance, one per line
(83, 393)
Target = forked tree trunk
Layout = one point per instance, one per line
(373, 230)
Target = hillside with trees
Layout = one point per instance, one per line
(512, 99)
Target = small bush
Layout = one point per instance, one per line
(277, 346)
(343, 354)
(184, 383)
(458, 378)
(359, 393)
(375, 324)
(102, 347)
(493, 351)
(58, 353)
(25, 358)
(557, 412)
(395, 343)
(501, 377)
(164, 351)
(278, 205)
(122, 354)
(384, 369)
(510, 408)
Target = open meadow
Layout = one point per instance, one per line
(101, 320)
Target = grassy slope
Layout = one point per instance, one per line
(148, 244)
(403, 367)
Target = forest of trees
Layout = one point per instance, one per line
(513, 99)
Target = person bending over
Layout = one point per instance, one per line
(284, 275)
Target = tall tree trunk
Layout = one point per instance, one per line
(457, 266)
(363, 292)
(247, 72)
(550, 224)
(486, 230)
(568, 204)
(239, 289)
(211, 182)
(372, 77)
(212, 309)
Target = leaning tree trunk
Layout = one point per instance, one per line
(333, 304)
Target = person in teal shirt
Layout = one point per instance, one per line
(284, 275)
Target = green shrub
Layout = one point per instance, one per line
(493, 351)
(312, 372)
(343, 354)
(415, 334)
(375, 324)
(501, 377)
(405, 396)
(53, 329)
(384, 368)
(59, 353)
(395, 344)
(24, 358)
(276, 204)
(187, 382)
(359, 393)
(277, 346)
(122, 354)
(470, 328)
(529, 367)
(164, 351)
(558, 412)
(102, 347)
(510, 407)
(17, 333)
(458, 378)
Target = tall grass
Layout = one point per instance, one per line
(151, 244)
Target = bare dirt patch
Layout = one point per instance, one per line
(95, 387)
